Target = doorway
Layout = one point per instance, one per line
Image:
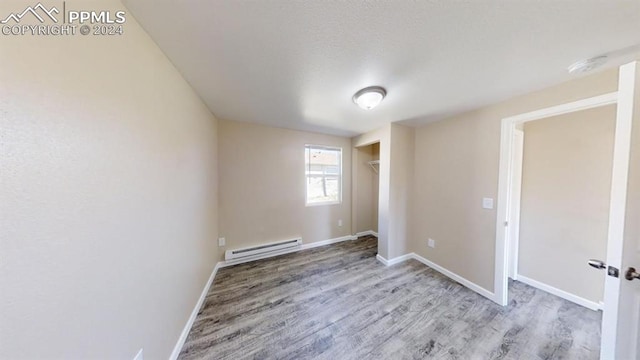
(560, 203)
(624, 99)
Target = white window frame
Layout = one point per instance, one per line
(340, 174)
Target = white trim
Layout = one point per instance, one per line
(328, 242)
(322, 203)
(513, 239)
(501, 274)
(187, 328)
(505, 171)
(455, 277)
(367, 233)
(395, 260)
(560, 293)
(287, 251)
(584, 104)
(340, 176)
(139, 355)
(384, 261)
(617, 207)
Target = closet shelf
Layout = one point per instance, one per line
(373, 164)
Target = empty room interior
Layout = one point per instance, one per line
(319, 180)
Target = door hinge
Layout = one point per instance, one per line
(506, 223)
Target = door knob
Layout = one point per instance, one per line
(631, 274)
(611, 271)
(598, 264)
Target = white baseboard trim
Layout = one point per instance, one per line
(328, 242)
(384, 261)
(194, 314)
(393, 261)
(455, 277)
(561, 293)
(471, 285)
(367, 233)
(287, 251)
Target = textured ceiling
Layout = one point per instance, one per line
(296, 64)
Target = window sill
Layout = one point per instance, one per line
(323, 203)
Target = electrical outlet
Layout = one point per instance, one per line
(340, 222)
(222, 241)
(431, 243)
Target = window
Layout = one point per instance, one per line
(323, 168)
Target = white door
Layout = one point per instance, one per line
(621, 316)
(629, 310)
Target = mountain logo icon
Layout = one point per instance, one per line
(34, 11)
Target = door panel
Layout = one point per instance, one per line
(628, 317)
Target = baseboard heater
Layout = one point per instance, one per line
(261, 249)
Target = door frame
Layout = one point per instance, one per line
(617, 209)
(513, 238)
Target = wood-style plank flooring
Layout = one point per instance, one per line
(338, 302)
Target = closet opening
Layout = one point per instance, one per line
(367, 187)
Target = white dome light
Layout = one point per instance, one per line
(369, 97)
(587, 65)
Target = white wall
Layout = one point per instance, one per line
(108, 188)
(262, 186)
(566, 186)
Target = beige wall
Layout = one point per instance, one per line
(456, 165)
(400, 188)
(262, 187)
(108, 215)
(367, 189)
(566, 186)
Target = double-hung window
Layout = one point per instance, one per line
(323, 169)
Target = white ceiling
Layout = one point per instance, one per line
(296, 64)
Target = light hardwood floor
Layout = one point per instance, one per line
(338, 302)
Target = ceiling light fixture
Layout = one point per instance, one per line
(369, 97)
(583, 66)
